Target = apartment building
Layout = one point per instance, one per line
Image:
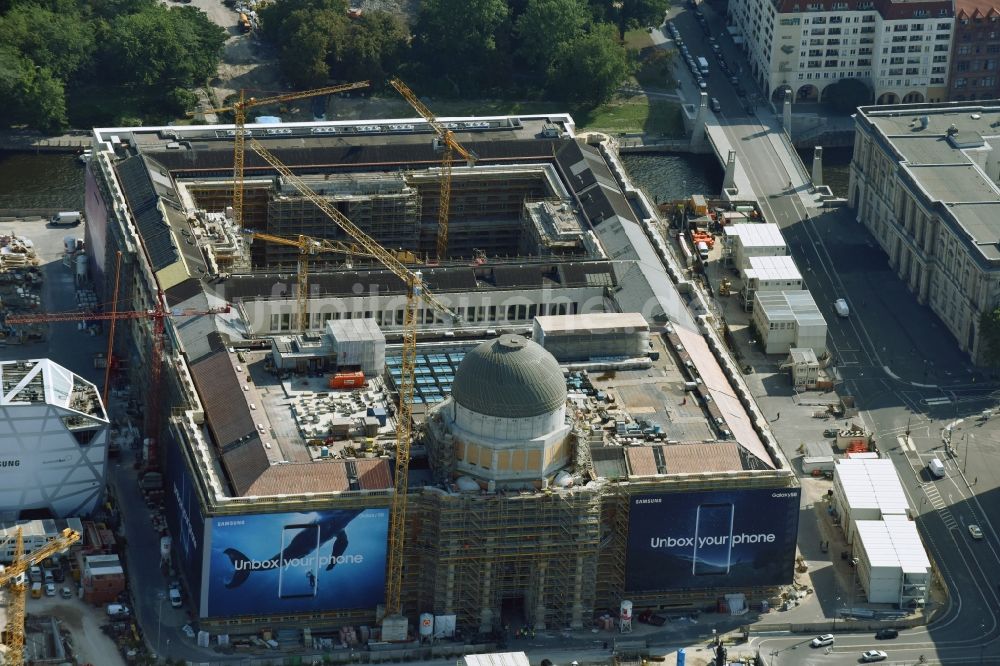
(975, 51)
(901, 49)
(924, 182)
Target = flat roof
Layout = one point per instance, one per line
(941, 149)
(765, 234)
(772, 268)
(595, 321)
(893, 543)
(798, 306)
(871, 484)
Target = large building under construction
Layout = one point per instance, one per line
(555, 473)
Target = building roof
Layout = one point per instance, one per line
(798, 306)
(732, 410)
(974, 8)
(509, 377)
(941, 149)
(496, 659)
(694, 458)
(893, 10)
(355, 330)
(323, 477)
(893, 543)
(772, 268)
(871, 484)
(601, 322)
(805, 355)
(44, 381)
(766, 234)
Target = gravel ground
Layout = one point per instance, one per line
(90, 644)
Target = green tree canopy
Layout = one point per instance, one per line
(375, 48)
(163, 48)
(591, 67)
(463, 42)
(31, 94)
(60, 41)
(546, 27)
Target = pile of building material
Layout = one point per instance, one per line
(16, 252)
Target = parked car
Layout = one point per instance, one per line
(67, 593)
(714, 105)
(873, 655)
(831, 432)
(702, 84)
(975, 532)
(175, 596)
(50, 589)
(820, 641)
(887, 633)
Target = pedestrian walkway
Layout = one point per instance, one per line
(936, 501)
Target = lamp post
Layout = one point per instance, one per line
(854, 576)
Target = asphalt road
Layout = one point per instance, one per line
(907, 375)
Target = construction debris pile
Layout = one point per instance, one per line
(16, 252)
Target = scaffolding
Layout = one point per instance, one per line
(509, 558)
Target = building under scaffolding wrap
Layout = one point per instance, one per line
(539, 494)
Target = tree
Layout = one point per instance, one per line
(308, 41)
(160, 48)
(989, 333)
(590, 68)
(848, 94)
(375, 47)
(61, 41)
(462, 40)
(640, 13)
(275, 14)
(546, 27)
(31, 94)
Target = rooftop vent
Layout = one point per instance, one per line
(924, 121)
(952, 130)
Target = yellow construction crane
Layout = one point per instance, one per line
(449, 146)
(239, 109)
(415, 292)
(15, 574)
(307, 247)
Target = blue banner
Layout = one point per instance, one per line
(297, 562)
(187, 525)
(733, 538)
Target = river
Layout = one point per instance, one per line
(41, 180)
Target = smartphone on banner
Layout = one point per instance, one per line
(713, 540)
(298, 566)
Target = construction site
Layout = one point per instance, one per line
(425, 378)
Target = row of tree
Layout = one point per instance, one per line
(91, 62)
(569, 50)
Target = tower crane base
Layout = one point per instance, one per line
(395, 628)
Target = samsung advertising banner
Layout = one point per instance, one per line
(737, 538)
(297, 562)
(187, 526)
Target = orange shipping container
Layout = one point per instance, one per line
(347, 380)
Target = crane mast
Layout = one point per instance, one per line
(239, 109)
(450, 146)
(415, 293)
(14, 574)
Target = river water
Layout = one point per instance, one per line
(41, 180)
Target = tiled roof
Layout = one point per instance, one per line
(323, 476)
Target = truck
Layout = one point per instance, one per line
(165, 549)
(703, 65)
(36, 590)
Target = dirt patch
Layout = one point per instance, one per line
(86, 640)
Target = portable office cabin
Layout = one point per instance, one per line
(753, 240)
(787, 319)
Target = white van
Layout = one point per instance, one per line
(703, 250)
(936, 467)
(67, 218)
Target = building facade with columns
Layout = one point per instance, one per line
(924, 180)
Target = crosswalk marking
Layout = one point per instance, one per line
(934, 497)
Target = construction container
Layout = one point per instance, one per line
(340, 428)
(698, 205)
(592, 336)
(379, 413)
(357, 343)
(370, 425)
(426, 625)
(347, 380)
